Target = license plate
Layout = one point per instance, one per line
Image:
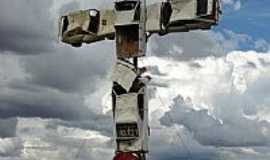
(127, 130)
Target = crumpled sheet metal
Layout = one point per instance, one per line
(124, 74)
(79, 19)
(126, 110)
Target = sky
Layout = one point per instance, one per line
(247, 17)
(209, 96)
(251, 20)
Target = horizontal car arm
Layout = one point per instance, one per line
(163, 18)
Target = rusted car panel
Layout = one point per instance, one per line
(127, 27)
(127, 41)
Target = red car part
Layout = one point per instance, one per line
(126, 156)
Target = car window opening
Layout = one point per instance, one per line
(202, 7)
(94, 21)
(65, 24)
(141, 105)
(125, 5)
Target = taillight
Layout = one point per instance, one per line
(126, 156)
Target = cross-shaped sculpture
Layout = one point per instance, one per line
(131, 23)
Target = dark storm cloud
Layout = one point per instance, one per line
(21, 43)
(41, 102)
(101, 123)
(30, 27)
(56, 86)
(69, 7)
(70, 70)
(20, 96)
(26, 26)
(69, 109)
(58, 76)
(8, 127)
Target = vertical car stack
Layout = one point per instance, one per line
(130, 108)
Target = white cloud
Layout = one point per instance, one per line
(235, 4)
(262, 45)
(42, 138)
(217, 98)
(211, 88)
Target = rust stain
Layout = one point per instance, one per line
(127, 41)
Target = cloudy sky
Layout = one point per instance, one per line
(209, 94)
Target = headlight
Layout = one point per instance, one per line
(93, 13)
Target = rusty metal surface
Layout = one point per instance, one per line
(127, 42)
